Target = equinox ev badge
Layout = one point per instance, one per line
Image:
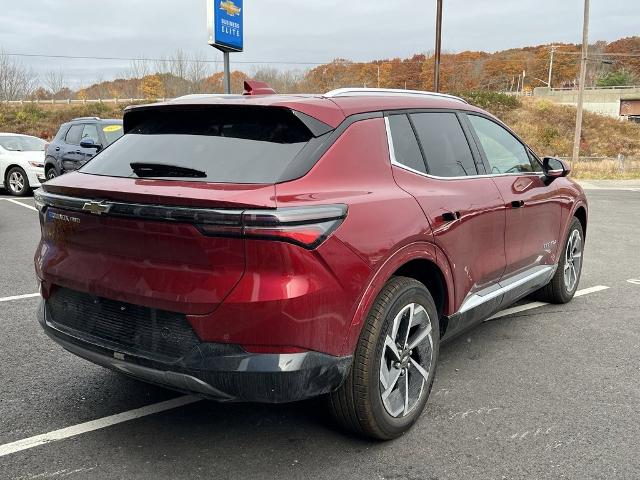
(97, 208)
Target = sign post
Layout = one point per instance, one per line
(225, 29)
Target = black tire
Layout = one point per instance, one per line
(358, 405)
(557, 290)
(51, 173)
(17, 182)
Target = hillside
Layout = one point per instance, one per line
(181, 73)
(547, 127)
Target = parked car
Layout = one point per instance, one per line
(78, 141)
(274, 248)
(21, 163)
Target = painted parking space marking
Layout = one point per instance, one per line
(532, 305)
(17, 202)
(63, 433)
(635, 281)
(19, 297)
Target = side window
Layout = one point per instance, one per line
(535, 163)
(445, 145)
(504, 152)
(74, 134)
(405, 145)
(90, 131)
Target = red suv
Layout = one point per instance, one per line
(273, 248)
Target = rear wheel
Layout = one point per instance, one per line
(394, 363)
(17, 182)
(564, 283)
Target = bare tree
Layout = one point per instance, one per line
(55, 81)
(16, 81)
(197, 73)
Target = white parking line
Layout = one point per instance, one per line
(529, 306)
(61, 434)
(19, 203)
(19, 297)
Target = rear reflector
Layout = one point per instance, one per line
(272, 349)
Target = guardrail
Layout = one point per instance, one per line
(76, 101)
(568, 89)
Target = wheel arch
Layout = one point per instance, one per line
(419, 261)
(581, 214)
(8, 169)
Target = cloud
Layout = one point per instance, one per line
(294, 30)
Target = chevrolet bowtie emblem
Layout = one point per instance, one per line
(97, 208)
(230, 7)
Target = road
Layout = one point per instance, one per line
(548, 392)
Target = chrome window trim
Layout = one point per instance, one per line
(394, 162)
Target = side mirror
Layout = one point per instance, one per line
(555, 167)
(90, 143)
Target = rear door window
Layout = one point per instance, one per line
(406, 150)
(444, 144)
(74, 134)
(214, 144)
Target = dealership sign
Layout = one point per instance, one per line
(224, 22)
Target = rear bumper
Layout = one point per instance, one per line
(217, 371)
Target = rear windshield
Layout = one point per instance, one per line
(112, 132)
(216, 144)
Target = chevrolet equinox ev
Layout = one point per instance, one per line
(274, 248)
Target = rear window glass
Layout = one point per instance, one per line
(112, 132)
(217, 144)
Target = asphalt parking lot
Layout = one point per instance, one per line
(545, 392)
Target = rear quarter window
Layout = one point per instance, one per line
(214, 144)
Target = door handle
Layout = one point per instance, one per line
(451, 216)
(517, 203)
(57, 149)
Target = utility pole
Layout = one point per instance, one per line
(436, 73)
(583, 77)
(553, 50)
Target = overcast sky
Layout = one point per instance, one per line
(294, 30)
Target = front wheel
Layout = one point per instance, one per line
(564, 283)
(394, 363)
(51, 173)
(17, 182)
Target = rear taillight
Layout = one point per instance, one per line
(304, 226)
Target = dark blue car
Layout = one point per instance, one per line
(78, 141)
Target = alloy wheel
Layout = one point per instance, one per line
(51, 173)
(406, 361)
(573, 260)
(16, 182)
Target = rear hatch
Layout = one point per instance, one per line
(156, 219)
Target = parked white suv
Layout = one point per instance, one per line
(21, 163)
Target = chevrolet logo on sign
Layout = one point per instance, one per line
(230, 7)
(97, 208)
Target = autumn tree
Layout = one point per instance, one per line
(152, 87)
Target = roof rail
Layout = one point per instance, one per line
(85, 118)
(354, 92)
